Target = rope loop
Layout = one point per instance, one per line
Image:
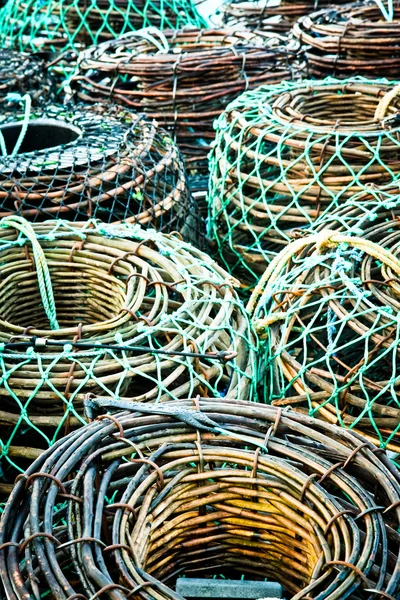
(42, 269)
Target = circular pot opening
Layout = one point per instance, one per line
(227, 525)
(345, 108)
(82, 293)
(40, 135)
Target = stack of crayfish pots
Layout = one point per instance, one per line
(200, 299)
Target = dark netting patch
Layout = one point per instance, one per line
(22, 73)
(97, 162)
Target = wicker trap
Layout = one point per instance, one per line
(124, 312)
(327, 309)
(357, 39)
(269, 15)
(60, 25)
(81, 162)
(122, 507)
(183, 79)
(288, 155)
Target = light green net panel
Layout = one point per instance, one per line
(71, 24)
(328, 313)
(287, 155)
(158, 320)
(366, 214)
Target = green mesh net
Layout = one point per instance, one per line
(110, 310)
(286, 156)
(69, 24)
(327, 310)
(365, 213)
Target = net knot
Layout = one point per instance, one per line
(261, 325)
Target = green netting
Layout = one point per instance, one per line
(69, 24)
(287, 155)
(158, 320)
(327, 310)
(365, 214)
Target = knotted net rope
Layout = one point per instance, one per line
(365, 214)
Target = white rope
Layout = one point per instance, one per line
(389, 13)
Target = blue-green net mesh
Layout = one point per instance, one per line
(286, 156)
(327, 311)
(69, 24)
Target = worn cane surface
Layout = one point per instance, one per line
(357, 39)
(269, 15)
(201, 488)
(182, 78)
